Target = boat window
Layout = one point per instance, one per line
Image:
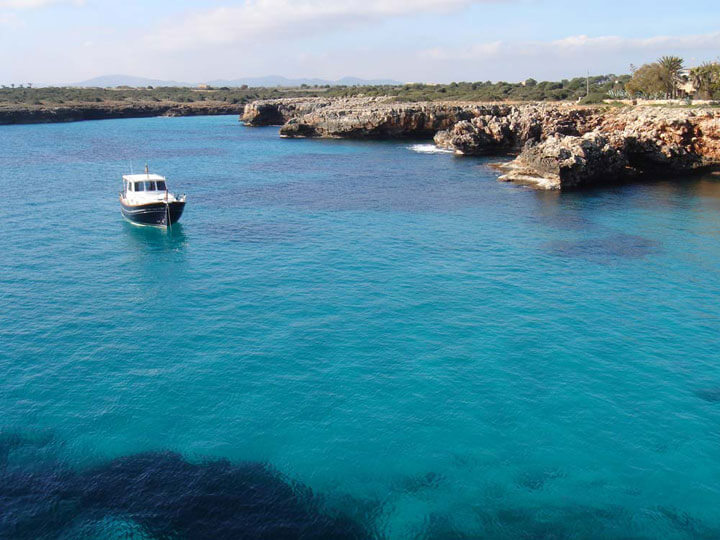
(149, 185)
(139, 186)
(161, 185)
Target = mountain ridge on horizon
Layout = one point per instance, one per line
(110, 81)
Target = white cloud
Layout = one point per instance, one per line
(577, 46)
(260, 19)
(560, 58)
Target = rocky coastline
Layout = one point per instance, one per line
(37, 114)
(557, 146)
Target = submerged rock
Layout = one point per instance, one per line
(161, 495)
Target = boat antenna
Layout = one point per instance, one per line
(147, 170)
(131, 168)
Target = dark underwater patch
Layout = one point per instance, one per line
(420, 482)
(536, 480)
(167, 497)
(581, 521)
(249, 232)
(687, 524)
(605, 249)
(711, 395)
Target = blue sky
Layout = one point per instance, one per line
(61, 41)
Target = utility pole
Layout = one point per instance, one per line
(587, 82)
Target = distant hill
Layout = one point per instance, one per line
(278, 80)
(111, 81)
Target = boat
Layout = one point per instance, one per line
(145, 200)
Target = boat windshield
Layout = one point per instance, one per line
(151, 185)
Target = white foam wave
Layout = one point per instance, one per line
(429, 149)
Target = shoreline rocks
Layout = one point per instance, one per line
(509, 128)
(75, 113)
(567, 162)
(558, 146)
(357, 118)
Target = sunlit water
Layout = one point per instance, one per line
(428, 350)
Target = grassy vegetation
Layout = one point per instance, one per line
(56, 96)
(602, 88)
(530, 90)
(566, 90)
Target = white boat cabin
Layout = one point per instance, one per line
(145, 188)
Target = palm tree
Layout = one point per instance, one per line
(706, 79)
(672, 66)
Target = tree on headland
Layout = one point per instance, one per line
(706, 80)
(672, 66)
(649, 80)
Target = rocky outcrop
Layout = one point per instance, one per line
(566, 162)
(73, 113)
(358, 118)
(276, 112)
(560, 146)
(622, 145)
(508, 128)
(664, 138)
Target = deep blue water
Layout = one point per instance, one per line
(349, 338)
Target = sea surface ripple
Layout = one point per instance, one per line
(358, 339)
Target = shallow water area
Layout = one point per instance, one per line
(387, 340)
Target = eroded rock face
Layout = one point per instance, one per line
(560, 146)
(276, 112)
(566, 162)
(357, 118)
(32, 114)
(508, 128)
(661, 138)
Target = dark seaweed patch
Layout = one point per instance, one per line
(605, 249)
(421, 482)
(709, 394)
(168, 497)
(683, 522)
(536, 480)
(255, 232)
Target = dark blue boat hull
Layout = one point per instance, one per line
(153, 213)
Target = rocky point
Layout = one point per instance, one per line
(558, 146)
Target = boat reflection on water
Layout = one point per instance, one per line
(156, 238)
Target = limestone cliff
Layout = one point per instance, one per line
(560, 146)
(358, 118)
(622, 144)
(507, 128)
(36, 114)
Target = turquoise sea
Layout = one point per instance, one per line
(349, 339)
